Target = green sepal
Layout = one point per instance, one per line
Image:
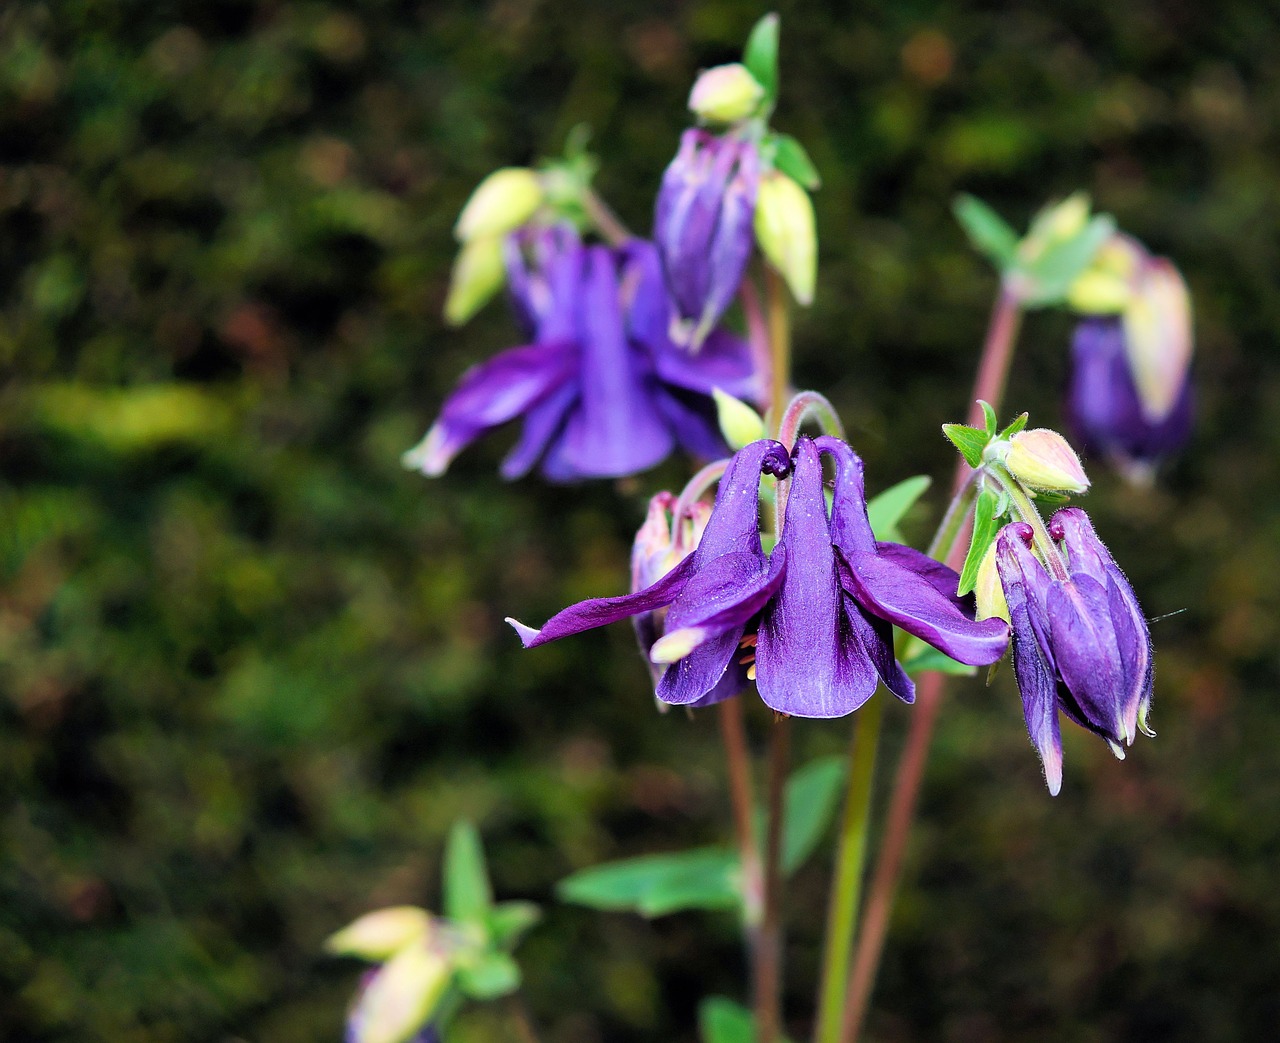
(987, 231)
(1018, 424)
(761, 56)
(790, 157)
(990, 418)
(1050, 497)
(1050, 276)
(493, 974)
(929, 658)
(969, 440)
(985, 527)
(654, 885)
(508, 921)
(468, 897)
(886, 509)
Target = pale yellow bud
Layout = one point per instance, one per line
(478, 273)
(726, 94)
(1107, 286)
(1157, 326)
(402, 996)
(1042, 459)
(501, 203)
(988, 591)
(786, 232)
(739, 423)
(380, 935)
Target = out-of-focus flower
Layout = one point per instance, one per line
(726, 94)
(1129, 396)
(601, 387)
(1080, 642)
(501, 203)
(477, 276)
(814, 618)
(787, 233)
(702, 226)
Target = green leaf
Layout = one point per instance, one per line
(989, 415)
(1018, 424)
(467, 894)
(969, 440)
(985, 527)
(813, 794)
(761, 56)
(509, 920)
(494, 974)
(655, 885)
(721, 1020)
(929, 658)
(987, 230)
(790, 157)
(1058, 267)
(888, 508)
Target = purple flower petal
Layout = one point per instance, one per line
(809, 662)
(691, 679)
(1086, 653)
(850, 526)
(944, 579)
(875, 635)
(543, 422)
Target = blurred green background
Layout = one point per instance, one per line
(251, 669)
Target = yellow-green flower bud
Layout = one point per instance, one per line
(726, 94)
(380, 935)
(1056, 223)
(478, 273)
(1042, 459)
(987, 591)
(402, 995)
(786, 232)
(1157, 326)
(501, 203)
(1106, 287)
(739, 423)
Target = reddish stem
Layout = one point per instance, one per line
(769, 964)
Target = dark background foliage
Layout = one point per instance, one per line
(252, 669)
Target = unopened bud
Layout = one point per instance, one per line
(401, 996)
(501, 203)
(1107, 285)
(380, 935)
(739, 423)
(786, 232)
(478, 273)
(1056, 223)
(988, 591)
(726, 94)
(1042, 459)
(1157, 326)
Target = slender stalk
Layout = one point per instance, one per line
(734, 735)
(779, 323)
(607, 223)
(989, 385)
(769, 964)
(693, 491)
(846, 881)
(521, 1019)
(758, 342)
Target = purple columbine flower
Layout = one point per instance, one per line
(1129, 397)
(813, 618)
(1080, 642)
(703, 227)
(602, 389)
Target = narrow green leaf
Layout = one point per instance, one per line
(654, 885)
(989, 415)
(494, 974)
(985, 528)
(987, 230)
(813, 794)
(761, 55)
(467, 894)
(1018, 424)
(929, 658)
(721, 1020)
(509, 920)
(790, 157)
(1058, 267)
(969, 440)
(887, 509)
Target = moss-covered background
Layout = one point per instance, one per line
(250, 669)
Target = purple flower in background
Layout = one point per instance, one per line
(814, 618)
(601, 388)
(1129, 396)
(1080, 642)
(703, 227)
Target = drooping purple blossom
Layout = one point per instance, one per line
(601, 388)
(816, 614)
(703, 227)
(1080, 642)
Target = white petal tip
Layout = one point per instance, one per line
(527, 634)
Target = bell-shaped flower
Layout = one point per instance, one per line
(1129, 397)
(1080, 642)
(703, 227)
(601, 388)
(814, 618)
